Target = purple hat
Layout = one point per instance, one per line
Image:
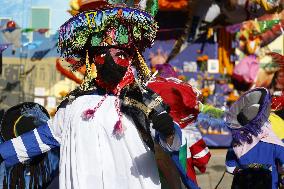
(248, 114)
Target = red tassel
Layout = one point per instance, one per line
(118, 129)
(88, 114)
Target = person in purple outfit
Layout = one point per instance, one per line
(255, 149)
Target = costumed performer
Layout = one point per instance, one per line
(255, 147)
(184, 109)
(42, 169)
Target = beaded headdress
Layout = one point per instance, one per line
(118, 23)
(113, 23)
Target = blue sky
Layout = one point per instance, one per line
(19, 11)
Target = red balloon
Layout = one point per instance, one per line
(11, 25)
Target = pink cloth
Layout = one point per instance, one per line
(267, 136)
(247, 68)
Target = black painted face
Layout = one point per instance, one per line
(112, 64)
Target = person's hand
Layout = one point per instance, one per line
(163, 123)
(170, 139)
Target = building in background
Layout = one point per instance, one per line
(31, 75)
(29, 72)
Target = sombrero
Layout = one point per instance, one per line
(22, 118)
(119, 23)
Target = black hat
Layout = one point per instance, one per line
(22, 118)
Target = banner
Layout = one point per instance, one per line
(32, 45)
(41, 30)
(28, 30)
(38, 55)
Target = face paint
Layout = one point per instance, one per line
(112, 65)
(120, 57)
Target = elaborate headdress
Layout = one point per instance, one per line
(120, 23)
(111, 24)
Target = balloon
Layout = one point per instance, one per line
(11, 25)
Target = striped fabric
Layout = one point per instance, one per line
(28, 145)
(194, 152)
(176, 150)
(200, 157)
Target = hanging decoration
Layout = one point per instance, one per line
(39, 55)
(11, 26)
(41, 30)
(28, 30)
(32, 45)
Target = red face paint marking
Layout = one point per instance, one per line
(119, 56)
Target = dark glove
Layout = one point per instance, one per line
(163, 123)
